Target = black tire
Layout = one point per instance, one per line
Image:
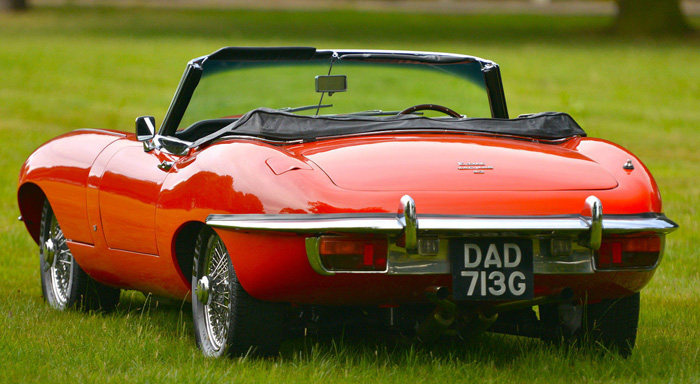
(63, 283)
(611, 324)
(227, 320)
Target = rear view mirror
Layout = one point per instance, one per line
(331, 84)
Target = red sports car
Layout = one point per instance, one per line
(292, 188)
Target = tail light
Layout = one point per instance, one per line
(341, 253)
(630, 252)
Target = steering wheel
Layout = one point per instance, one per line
(430, 107)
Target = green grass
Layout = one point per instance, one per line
(67, 68)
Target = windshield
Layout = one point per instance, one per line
(232, 88)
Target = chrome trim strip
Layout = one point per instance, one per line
(579, 262)
(556, 267)
(459, 224)
(658, 224)
(314, 256)
(312, 223)
(391, 224)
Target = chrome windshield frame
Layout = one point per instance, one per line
(194, 72)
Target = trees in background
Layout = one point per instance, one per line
(634, 17)
(13, 5)
(650, 17)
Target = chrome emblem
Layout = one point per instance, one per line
(478, 168)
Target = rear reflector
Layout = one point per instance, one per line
(339, 253)
(629, 252)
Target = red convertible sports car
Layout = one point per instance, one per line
(290, 188)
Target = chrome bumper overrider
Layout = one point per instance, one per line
(585, 229)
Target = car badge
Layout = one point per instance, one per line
(478, 168)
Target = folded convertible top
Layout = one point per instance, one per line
(277, 125)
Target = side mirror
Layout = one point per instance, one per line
(145, 128)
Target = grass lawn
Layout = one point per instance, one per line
(68, 68)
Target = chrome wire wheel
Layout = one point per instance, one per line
(59, 261)
(214, 290)
(228, 320)
(64, 284)
(57, 264)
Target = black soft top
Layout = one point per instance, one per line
(277, 125)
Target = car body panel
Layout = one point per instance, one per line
(127, 200)
(472, 164)
(61, 168)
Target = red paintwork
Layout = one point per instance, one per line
(123, 214)
(547, 168)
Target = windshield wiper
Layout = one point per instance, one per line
(304, 108)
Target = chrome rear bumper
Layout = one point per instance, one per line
(586, 231)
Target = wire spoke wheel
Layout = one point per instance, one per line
(61, 269)
(228, 320)
(216, 311)
(63, 283)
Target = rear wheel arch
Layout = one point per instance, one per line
(183, 247)
(30, 198)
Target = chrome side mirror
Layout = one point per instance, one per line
(146, 131)
(145, 128)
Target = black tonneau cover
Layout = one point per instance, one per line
(277, 125)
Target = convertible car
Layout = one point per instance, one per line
(297, 188)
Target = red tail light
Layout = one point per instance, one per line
(629, 252)
(353, 253)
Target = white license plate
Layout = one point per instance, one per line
(492, 269)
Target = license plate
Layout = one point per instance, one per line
(492, 269)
